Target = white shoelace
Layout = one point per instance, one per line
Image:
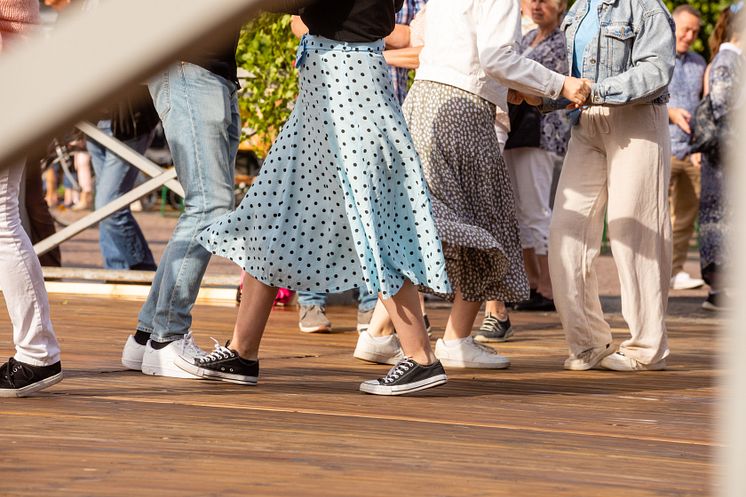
(218, 354)
(189, 348)
(398, 370)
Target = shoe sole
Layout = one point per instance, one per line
(587, 366)
(315, 329)
(687, 287)
(710, 307)
(165, 371)
(432, 382)
(133, 365)
(449, 363)
(34, 387)
(209, 374)
(375, 358)
(486, 339)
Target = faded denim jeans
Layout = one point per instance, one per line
(122, 243)
(200, 118)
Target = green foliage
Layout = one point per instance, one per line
(266, 50)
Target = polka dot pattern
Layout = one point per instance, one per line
(472, 197)
(341, 201)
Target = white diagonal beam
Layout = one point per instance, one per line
(128, 154)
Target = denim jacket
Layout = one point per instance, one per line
(632, 58)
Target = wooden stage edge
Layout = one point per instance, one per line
(532, 430)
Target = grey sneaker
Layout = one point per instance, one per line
(313, 319)
(589, 358)
(494, 330)
(363, 320)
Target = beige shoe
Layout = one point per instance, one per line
(620, 362)
(589, 358)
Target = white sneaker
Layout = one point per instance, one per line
(589, 358)
(620, 362)
(160, 362)
(682, 281)
(132, 354)
(468, 353)
(381, 350)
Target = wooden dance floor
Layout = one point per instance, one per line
(533, 430)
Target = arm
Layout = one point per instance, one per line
(298, 27)
(652, 65)
(498, 28)
(407, 58)
(399, 37)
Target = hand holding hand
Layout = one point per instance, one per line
(681, 118)
(576, 91)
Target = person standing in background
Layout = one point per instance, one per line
(686, 90)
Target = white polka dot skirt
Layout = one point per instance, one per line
(341, 201)
(471, 193)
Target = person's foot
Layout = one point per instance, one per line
(158, 358)
(715, 301)
(313, 319)
(363, 319)
(620, 362)
(468, 353)
(683, 281)
(494, 330)
(406, 376)
(536, 303)
(381, 350)
(222, 364)
(134, 350)
(589, 358)
(18, 379)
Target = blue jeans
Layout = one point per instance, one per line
(366, 300)
(123, 246)
(200, 118)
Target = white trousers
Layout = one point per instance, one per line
(618, 162)
(531, 172)
(21, 280)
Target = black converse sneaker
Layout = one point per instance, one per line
(406, 377)
(221, 364)
(18, 379)
(494, 330)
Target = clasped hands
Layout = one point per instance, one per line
(576, 90)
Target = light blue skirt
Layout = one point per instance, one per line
(341, 201)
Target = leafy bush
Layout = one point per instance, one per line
(266, 50)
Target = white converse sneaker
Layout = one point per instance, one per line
(589, 358)
(620, 362)
(382, 350)
(468, 353)
(132, 354)
(159, 360)
(683, 281)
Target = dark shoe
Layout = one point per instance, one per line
(406, 377)
(494, 330)
(18, 379)
(536, 303)
(221, 364)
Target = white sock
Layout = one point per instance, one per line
(453, 343)
(382, 338)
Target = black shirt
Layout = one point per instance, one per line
(218, 59)
(353, 21)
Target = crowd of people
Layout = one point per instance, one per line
(447, 188)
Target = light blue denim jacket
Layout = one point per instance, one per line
(632, 58)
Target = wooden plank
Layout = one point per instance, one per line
(532, 430)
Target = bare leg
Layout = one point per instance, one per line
(544, 285)
(461, 320)
(253, 312)
(404, 310)
(496, 308)
(531, 264)
(381, 324)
